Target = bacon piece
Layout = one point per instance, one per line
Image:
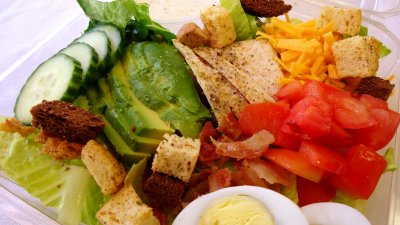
(268, 171)
(246, 176)
(207, 149)
(230, 127)
(219, 179)
(250, 148)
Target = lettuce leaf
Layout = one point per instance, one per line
(121, 12)
(291, 191)
(244, 25)
(390, 159)
(358, 204)
(69, 189)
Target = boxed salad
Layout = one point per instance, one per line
(177, 99)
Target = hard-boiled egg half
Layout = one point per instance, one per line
(234, 203)
(330, 213)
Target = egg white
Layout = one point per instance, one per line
(331, 213)
(282, 209)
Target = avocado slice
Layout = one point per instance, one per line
(147, 122)
(159, 77)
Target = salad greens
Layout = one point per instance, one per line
(121, 13)
(70, 189)
(245, 24)
(390, 159)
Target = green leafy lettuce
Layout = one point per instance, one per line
(121, 12)
(245, 25)
(69, 189)
(390, 159)
(343, 198)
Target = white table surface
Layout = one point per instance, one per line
(24, 26)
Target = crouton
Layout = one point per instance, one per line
(163, 190)
(108, 173)
(265, 8)
(375, 86)
(58, 148)
(176, 156)
(356, 56)
(218, 26)
(345, 21)
(125, 207)
(12, 125)
(221, 94)
(66, 121)
(192, 36)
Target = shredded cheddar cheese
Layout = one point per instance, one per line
(305, 52)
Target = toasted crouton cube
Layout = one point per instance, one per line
(176, 156)
(356, 56)
(192, 36)
(163, 190)
(125, 207)
(218, 25)
(345, 21)
(58, 148)
(108, 173)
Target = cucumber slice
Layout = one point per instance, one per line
(88, 58)
(98, 40)
(113, 34)
(58, 78)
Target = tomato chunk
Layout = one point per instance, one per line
(379, 135)
(295, 163)
(364, 169)
(349, 112)
(322, 157)
(311, 117)
(373, 103)
(263, 116)
(268, 116)
(310, 192)
(292, 92)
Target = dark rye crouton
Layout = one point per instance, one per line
(375, 86)
(66, 121)
(265, 8)
(163, 190)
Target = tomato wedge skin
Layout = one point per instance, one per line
(292, 92)
(373, 103)
(349, 112)
(364, 170)
(268, 116)
(310, 192)
(262, 116)
(379, 135)
(323, 157)
(311, 117)
(295, 163)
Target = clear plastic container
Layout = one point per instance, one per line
(383, 208)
